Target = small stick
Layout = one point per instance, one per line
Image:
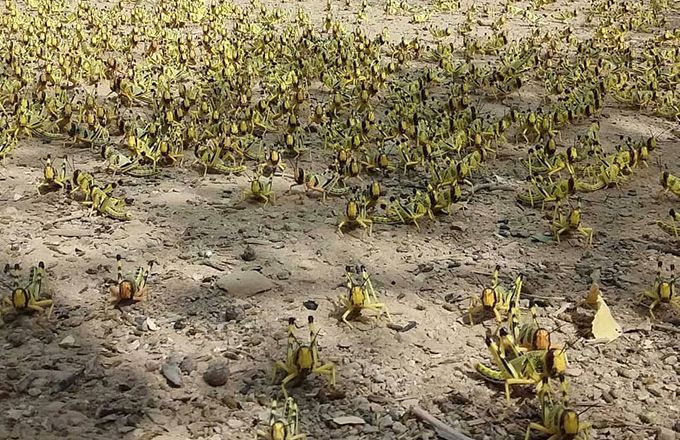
(665, 249)
(492, 187)
(544, 298)
(214, 265)
(75, 216)
(443, 430)
(665, 327)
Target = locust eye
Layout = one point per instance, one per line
(291, 321)
(118, 257)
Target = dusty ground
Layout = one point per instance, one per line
(95, 372)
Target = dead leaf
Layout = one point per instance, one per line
(593, 294)
(605, 327)
(151, 324)
(542, 238)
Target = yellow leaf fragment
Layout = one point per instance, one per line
(605, 328)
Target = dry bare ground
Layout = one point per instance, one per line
(97, 372)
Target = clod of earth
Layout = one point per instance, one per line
(217, 373)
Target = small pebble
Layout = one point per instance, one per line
(187, 365)
(655, 390)
(151, 366)
(291, 226)
(665, 434)
(234, 312)
(399, 427)
(608, 397)
(68, 342)
(235, 424)
(16, 339)
(628, 373)
(648, 417)
(385, 422)
(370, 429)
(248, 254)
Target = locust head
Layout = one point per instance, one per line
(556, 361)
(541, 339)
(356, 295)
(569, 423)
(488, 298)
(19, 298)
(278, 431)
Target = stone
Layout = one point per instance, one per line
(16, 339)
(245, 284)
(385, 422)
(234, 312)
(235, 424)
(665, 434)
(248, 254)
(34, 392)
(173, 374)
(399, 427)
(291, 226)
(151, 324)
(68, 342)
(348, 420)
(217, 373)
(648, 417)
(151, 366)
(187, 365)
(628, 373)
(370, 429)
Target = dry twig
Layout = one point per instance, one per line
(443, 430)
